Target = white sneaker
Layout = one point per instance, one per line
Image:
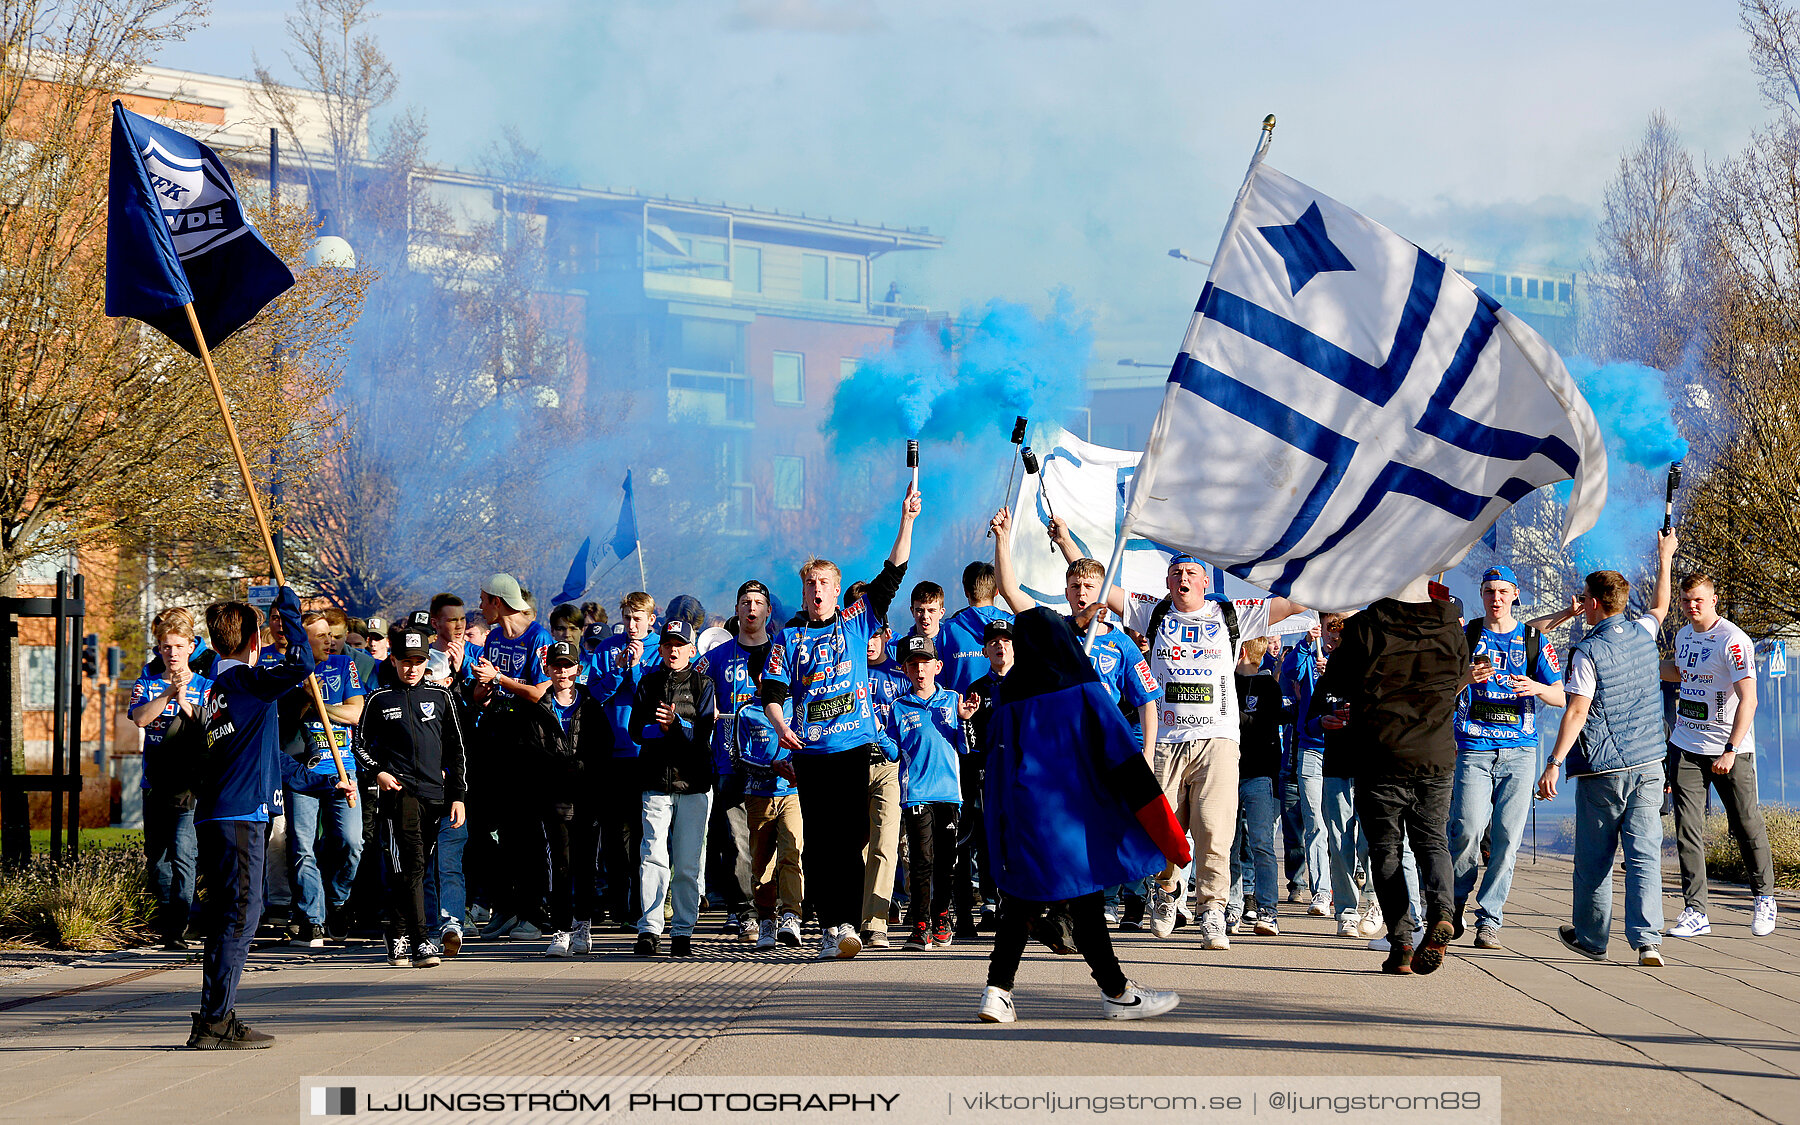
(559, 945)
(1371, 920)
(1140, 1003)
(1266, 926)
(1650, 957)
(1763, 924)
(1237, 922)
(828, 948)
(1163, 904)
(1212, 933)
(848, 943)
(1348, 926)
(1111, 914)
(765, 933)
(788, 932)
(1321, 905)
(997, 1006)
(1692, 923)
(581, 939)
(525, 931)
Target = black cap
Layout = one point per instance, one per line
(917, 648)
(410, 644)
(678, 630)
(419, 619)
(562, 652)
(593, 635)
(998, 627)
(753, 586)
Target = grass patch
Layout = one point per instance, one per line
(1725, 863)
(97, 902)
(92, 839)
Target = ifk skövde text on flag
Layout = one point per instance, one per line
(1348, 414)
(176, 233)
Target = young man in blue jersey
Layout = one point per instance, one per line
(926, 723)
(510, 668)
(881, 859)
(959, 639)
(622, 662)
(243, 769)
(833, 733)
(325, 832)
(735, 667)
(1513, 669)
(167, 707)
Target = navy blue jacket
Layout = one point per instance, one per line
(244, 762)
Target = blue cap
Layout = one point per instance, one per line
(1177, 560)
(1500, 574)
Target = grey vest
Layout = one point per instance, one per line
(1624, 727)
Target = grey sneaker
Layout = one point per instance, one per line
(765, 934)
(1212, 931)
(525, 931)
(1163, 905)
(1488, 937)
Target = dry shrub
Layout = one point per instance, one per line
(96, 902)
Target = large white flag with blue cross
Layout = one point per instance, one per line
(1348, 414)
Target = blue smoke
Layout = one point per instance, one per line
(1637, 420)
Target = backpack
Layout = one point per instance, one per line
(1472, 631)
(1227, 609)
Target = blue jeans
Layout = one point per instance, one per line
(671, 858)
(1257, 813)
(1492, 786)
(341, 852)
(171, 851)
(1313, 835)
(1614, 811)
(446, 892)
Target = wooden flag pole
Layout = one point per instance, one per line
(262, 526)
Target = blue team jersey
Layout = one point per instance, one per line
(886, 684)
(929, 733)
(1491, 716)
(826, 672)
(1123, 671)
(754, 748)
(959, 645)
(148, 688)
(615, 688)
(520, 658)
(728, 666)
(563, 712)
(1299, 675)
(339, 682)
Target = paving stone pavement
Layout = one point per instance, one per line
(1714, 1036)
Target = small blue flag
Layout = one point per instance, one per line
(176, 234)
(576, 583)
(625, 536)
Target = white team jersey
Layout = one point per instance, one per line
(1710, 664)
(1192, 659)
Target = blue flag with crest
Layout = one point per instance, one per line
(176, 234)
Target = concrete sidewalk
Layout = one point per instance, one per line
(1710, 1037)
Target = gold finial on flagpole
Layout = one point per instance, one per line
(1269, 123)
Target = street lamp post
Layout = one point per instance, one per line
(1178, 252)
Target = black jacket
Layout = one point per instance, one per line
(678, 760)
(565, 765)
(1400, 665)
(1259, 725)
(416, 734)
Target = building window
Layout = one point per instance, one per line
(812, 277)
(1531, 288)
(705, 399)
(705, 345)
(746, 268)
(1516, 286)
(1562, 292)
(40, 677)
(789, 484)
(846, 279)
(740, 494)
(790, 378)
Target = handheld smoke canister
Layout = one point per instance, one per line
(1012, 467)
(1031, 468)
(1669, 496)
(912, 461)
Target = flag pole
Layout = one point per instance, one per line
(1139, 480)
(262, 527)
(643, 579)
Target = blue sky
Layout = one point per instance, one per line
(1057, 143)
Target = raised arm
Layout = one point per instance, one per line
(1666, 542)
(1004, 578)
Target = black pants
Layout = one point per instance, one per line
(974, 881)
(231, 860)
(526, 854)
(621, 839)
(572, 844)
(728, 847)
(1412, 810)
(410, 824)
(834, 814)
(1091, 937)
(930, 848)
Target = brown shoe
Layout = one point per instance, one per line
(1429, 957)
(1399, 959)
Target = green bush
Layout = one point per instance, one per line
(1725, 863)
(98, 902)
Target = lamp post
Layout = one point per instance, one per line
(1178, 252)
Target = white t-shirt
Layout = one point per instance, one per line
(1711, 663)
(1192, 659)
(1581, 679)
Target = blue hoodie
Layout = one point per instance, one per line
(929, 733)
(615, 688)
(243, 734)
